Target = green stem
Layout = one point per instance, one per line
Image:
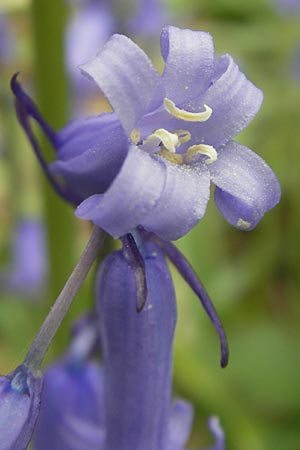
(48, 24)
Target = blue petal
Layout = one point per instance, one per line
(189, 59)
(216, 430)
(127, 78)
(20, 394)
(69, 390)
(90, 153)
(133, 193)
(182, 202)
(180, 424)
(234, 101)
(246, 186)
(80, 434)
(137, 352)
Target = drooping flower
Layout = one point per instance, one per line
(137, 356)
(137, 352)
(71, 415)
(28, 271)
(149, 164)
(151, 161)
(20, 394)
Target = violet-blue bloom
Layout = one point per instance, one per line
(137, 351)
(137, 357)
(28, 272)
(20, 394)
(71, 416)
(178, 129)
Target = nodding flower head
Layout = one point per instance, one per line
(151, 161)
(20, 396)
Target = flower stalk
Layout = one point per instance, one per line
(48, 19)
(52, 322)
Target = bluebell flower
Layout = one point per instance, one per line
(179, 128)
(71, 415)
(137, 357)
(20, 394)
(137, 352)
(128, 403)
(28, 272)
(150, 162)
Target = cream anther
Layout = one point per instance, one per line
(169, 140)
(174, 158)
(188, 116)
(243, 224)
(183, 135)
(201, 149)
(135, 136)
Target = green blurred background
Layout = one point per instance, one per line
(253, 277)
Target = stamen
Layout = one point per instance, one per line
(202, 149)
(243, 224)
(174, 158)
(169, 140)
(135, 136)
(183, 136)
(188, 116)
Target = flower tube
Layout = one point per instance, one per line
(137, 351)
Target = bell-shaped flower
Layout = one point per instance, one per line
(137, 357)
(152, 160)
(179, 127)
(29, 266)
(137, 351)
(71, 416)
(20, 396)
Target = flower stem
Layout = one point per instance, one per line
(46, 333)
(48, 29)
